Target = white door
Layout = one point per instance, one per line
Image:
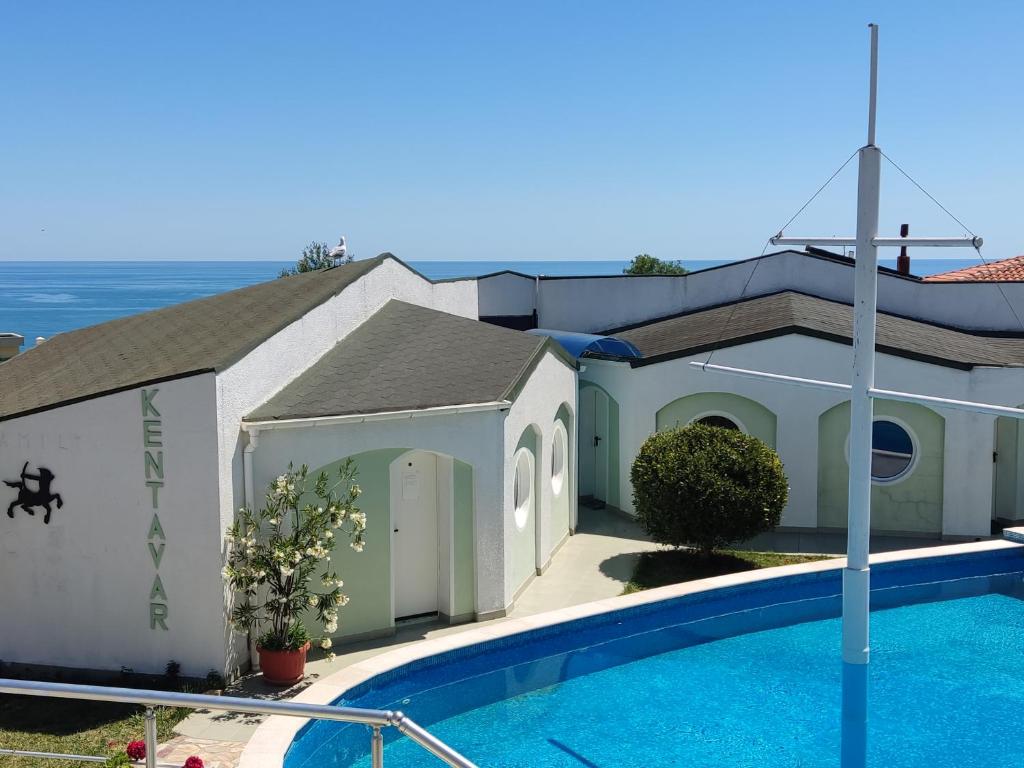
(600, 445)
(414, 534)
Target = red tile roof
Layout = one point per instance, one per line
(1004, 270)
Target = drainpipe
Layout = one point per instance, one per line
(248, 485)
(903, 261)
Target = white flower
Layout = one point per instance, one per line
(356, 490)
(359, 518)
(331, 626)
(325, 643)
(286, 571)
(312, 600)
(331, 656)
(225, 572)
(341, 599)
(329, 535)
(357, 546)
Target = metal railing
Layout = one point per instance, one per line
(377, 719)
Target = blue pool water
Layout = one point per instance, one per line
(742, 677)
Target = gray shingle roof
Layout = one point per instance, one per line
(791, 312)
(194, 337)
(408, 357)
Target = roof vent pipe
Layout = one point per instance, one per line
(903, 262)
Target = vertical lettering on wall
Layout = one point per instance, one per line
(153, 477)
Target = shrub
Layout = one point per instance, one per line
(276, 551)
(706, 487)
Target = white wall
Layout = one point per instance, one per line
(474, 438)
(591, 304)
(76, 592)
(286, 355)
(506, 294)
(551, 384)
(641, 392)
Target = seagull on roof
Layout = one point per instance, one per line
(340, 251)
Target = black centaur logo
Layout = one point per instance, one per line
(40, 497)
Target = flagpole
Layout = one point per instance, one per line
(857, 574)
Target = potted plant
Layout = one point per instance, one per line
(275, 554)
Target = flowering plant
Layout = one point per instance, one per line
(275, 552)
(193, 762)
(136, 750)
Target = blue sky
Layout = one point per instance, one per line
(532, 130)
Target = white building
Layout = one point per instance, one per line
(145, 434)
(150, 431)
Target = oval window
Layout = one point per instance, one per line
(558, 458)
(723, 422)
(892, 450)
(522, 489)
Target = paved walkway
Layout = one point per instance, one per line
(594, 564)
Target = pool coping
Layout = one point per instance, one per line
(270, 742)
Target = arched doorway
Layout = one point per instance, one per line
(598, 446)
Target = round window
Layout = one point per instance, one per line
(522, 489)
(892, 450)
(558, 454)
(722, 422)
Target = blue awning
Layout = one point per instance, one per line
(590, 345)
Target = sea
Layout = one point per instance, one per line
(44, 298)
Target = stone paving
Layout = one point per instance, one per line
(214, 754)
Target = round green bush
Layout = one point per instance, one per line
(707, 487)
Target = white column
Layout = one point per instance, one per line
(796, 440)
(967, 474)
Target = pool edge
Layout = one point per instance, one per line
(270, 742)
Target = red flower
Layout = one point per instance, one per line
(194, 762)
(136, 750)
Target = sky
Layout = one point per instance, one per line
(495, 131)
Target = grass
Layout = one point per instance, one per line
(73, 727)
(671, 566)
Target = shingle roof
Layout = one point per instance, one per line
(407, 357)
(194, 337)
(1004, 270)
(791, 312)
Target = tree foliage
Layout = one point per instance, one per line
(707, 487)
(314, 256)
(275, 552)
(645, 264)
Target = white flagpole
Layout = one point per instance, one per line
(857, 574)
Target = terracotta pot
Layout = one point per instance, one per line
(283, 667)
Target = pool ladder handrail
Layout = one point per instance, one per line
(376, 718)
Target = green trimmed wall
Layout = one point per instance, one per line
(367, 574)
(912, 504)
(755, 418)
(524, 542)
(613, 445)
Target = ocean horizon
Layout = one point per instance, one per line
(44, 298)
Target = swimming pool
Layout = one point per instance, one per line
(747, 675)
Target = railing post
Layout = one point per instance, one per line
(377, 748)
(150, 736)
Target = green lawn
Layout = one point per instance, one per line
(72, 727)
(671, 566)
